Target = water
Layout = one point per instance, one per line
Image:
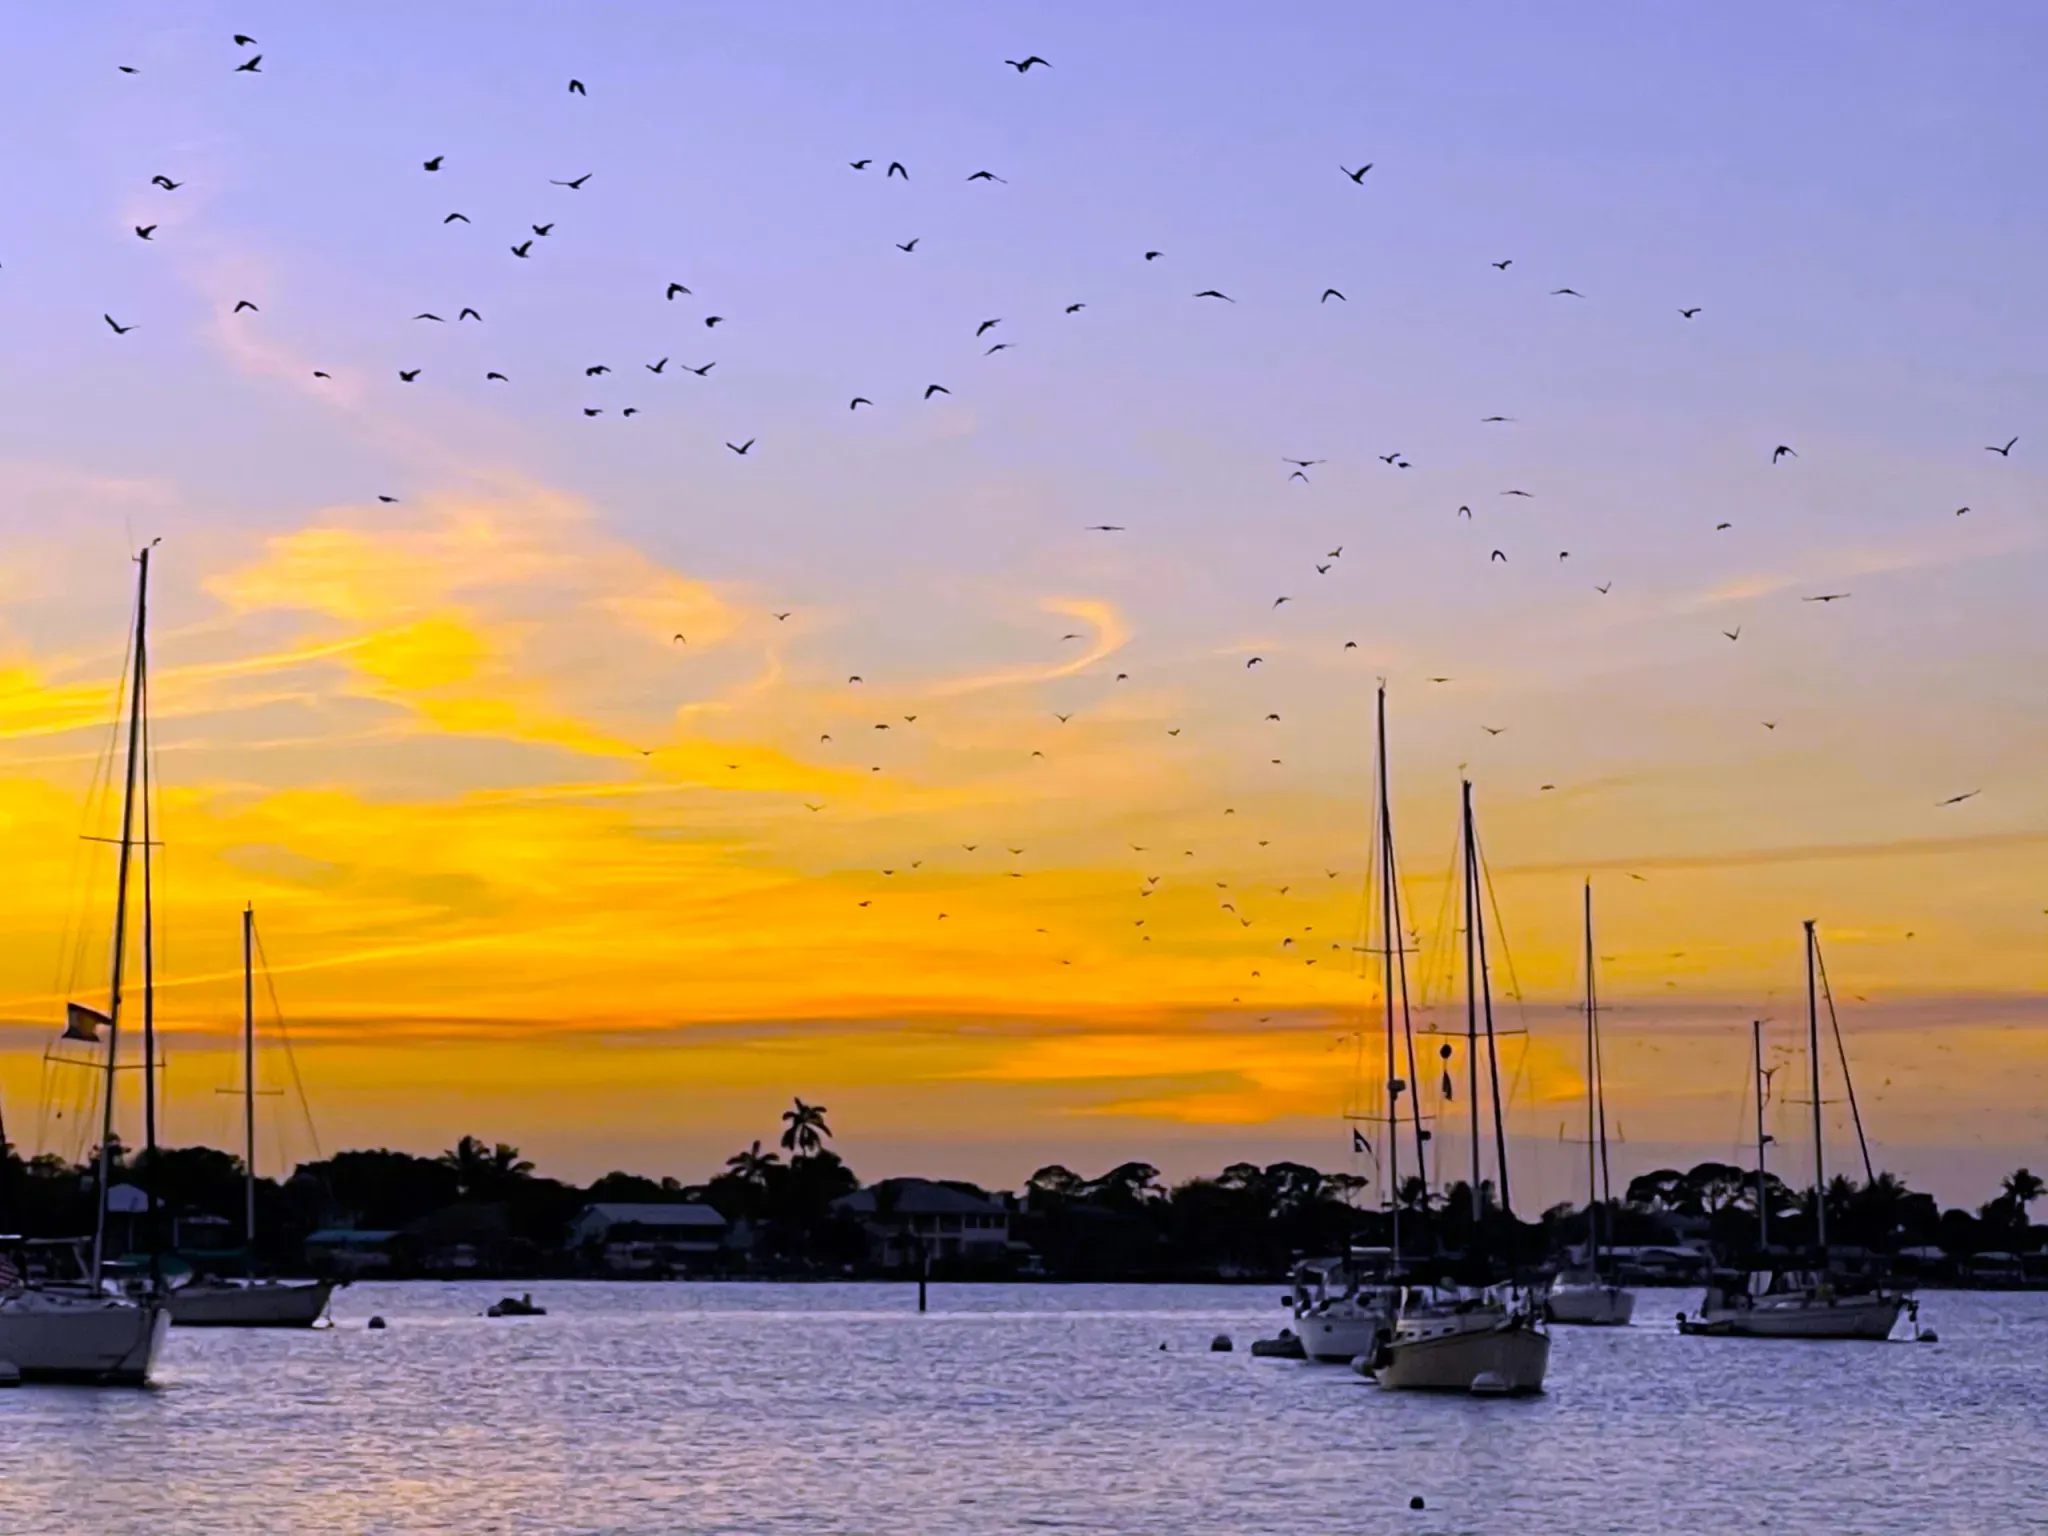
(834, 1408)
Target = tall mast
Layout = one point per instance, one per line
(1398, 954)
(1763, 1206)
(120, 945)
(1593, 1122)
(1500, 1134)
(1391, 935)
(1471, 1004)
(249, 1081)
(1820, 1173)
(152, 1218)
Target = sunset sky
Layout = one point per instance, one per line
(528, 866)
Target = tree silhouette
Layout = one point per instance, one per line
(804, 1131)
(484, 1170)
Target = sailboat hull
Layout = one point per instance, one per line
(1590, 1306)
(1345, 1332)
(96, 1340)
(255, 1304)
(1504, 1359)
(1870, 1318)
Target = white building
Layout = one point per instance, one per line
(905, 1219)
(637, 1238)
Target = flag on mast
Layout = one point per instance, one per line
(83, 1023)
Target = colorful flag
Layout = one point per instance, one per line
(83, 1023)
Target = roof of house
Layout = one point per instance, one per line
(917, 1197)
(629, 1213)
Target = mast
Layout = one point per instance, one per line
(1397, 961)
(1820, 1175)
(152, 1218)
(120, 943)
(1391, 935)
(249, 1081)
(1594, 1122)
(1500, 1133)
(1471, 1005)
(1763, 1208)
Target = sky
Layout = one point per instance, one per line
(1045, 883)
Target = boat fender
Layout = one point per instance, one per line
(1220, 1345)
(1416, 1503)
(376, 1322)
(1927, 1336)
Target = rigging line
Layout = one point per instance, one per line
(284, 1036)
(70, 957)
(1500, 1133)
(1841, 1051)
(1500, 933)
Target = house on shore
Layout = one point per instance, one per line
(649, 1239)
(907, 1220)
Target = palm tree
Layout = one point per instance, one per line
(804, 1131)
(479, 1167)
(752, 1165)
(2022, 1188)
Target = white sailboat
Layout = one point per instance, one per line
(1808, 1303)
(1357, 1322)
(249, 1302)
(1491, 1339)
(90, 1331)
(1584, 1295)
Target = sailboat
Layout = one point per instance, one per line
(217, 1302)
(1585, 1295)
(1487, 1338)
(1816, 1303)
(90, 1330)
(1357, 1321)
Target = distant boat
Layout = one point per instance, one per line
(87, 1330)
(1586, 1296)
(1818, 1301)
(249, 1302)
(1487, 1339)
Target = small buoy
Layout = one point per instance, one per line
(1221, 1344)
(10, 1374)
(1162, 1346)
(1929, 1336)
(1416, 1503)
(376, 1322)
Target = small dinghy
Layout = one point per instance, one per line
(516, 1306)
(1287, 1347)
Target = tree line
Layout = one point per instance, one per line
(1245, 1221)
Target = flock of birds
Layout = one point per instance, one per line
(1299, 942)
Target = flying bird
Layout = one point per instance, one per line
(1075, 309)
(1733, 634)
(1603, 588)
(408, 374)
(1022, 65)
(243, 40)
(858, 401)
(1357, 176)
(935, 389)
(544, 230)
(1493, 730)
(1826, 597)
(1502, 266)
(523, 249)
(453, 217)
(595, 370)
(1780, 451)
(1497, 555)
(2006, 451)
(1001, 346)
(1104, 528)
(703, 372)
(986, 176)
(573, 186)
(655, 367)
(1279, 600)
(435, 163)
(576, 88)
(1254, 662)
(498, 376)
(985, 325)
(253, 67)
(896, 169)
(144, 231)
(676, 288)
(1214, 293)
(1154, 255)
(1959, 799)
(242, 304)
(1572, 292)
(711, 320)
(1530, 495)
(910, 244)
(423, 315)
(1485, 419)
(1689, 313)
(166, 183)
(1331, 293)
(741, 448)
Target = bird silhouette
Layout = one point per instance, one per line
(985, 176)
(741, 448)
(676, 288)
(424, 315)
(703, 372)
(858, 401)
(1024, 64)
(1781, 451)
(1603, 588)
(576, 88)
(454, 218)
(910, 244)
(543, 230)
(1075, 309)
(1497, 555)
(1357, 176)
(711, 320)
(408, 374)
(595, 370)
(1959, 799)
(166, 183)
(2005, 452)
(1001, 346)
(1331, 293)
(935, 389)
(1214, 293)
(1502, 266)
(985, 325)
(896, 169)
(655, 367)
(498, 376)
(1105, 528)
(253, 67)
(144, 231)
(243, 40)
(861, 165)
(435, 163)
(242, 304)
(1733, 634)
(1826, 597)
(1689, 313)
(573, 186)
(523, 249)
(1154, 255)
(1569, 292)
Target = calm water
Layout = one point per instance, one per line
(816, 1409)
